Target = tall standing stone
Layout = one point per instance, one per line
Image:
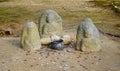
(87, 36)
(30, 39)
(50, 23)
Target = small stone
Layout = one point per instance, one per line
(53, 62)
(52, 53)
(99, 59)
(65, 67)
(3, 62)
(45, 41)
(72, 44)
(41, 64)
(55, 37)
(69, 50)
(60, 67)
(31, 65)
(95, 57)
(72, 66)
(96, 63)
(47, 63)
(55, 59)
(39, 58)
(86, 58)
(65, 60)
(66, 39)
(9, 70)
(92, 63)
(61, 53)
(45, 54)
(25, 62)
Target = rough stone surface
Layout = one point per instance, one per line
(55, 37)
(66, 39)
(87, 36)
(30, 39)
(45, 41)
(50, 23)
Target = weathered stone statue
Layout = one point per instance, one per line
(30, 39)
(50, 23)
(87, 36)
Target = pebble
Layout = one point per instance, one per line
(61, 53)
(83, 66)
(53, 62)
(72, 66)
(65, 67)
(46, 64)
(45, 54)
(39, 58)
(41, 64)
(96, 63)
(42, 50)
(85, 58)
(99, 59)
(65, 50)
(51, 53)
(60, 67)
(69, 50)
(27, 53)
(25, 62)
(73, 45)
(3, 62)
(65, 60)
(55, 59)
(9, 70)
(31, 65)
(95, 56)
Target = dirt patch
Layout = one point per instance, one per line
(13, 58)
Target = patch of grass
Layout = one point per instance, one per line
(70, 15)
(14, 14)
(117, 25)
(4, 0)
(113, 4)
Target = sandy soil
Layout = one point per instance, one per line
(13, 58)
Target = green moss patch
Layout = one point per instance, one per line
(14, 14)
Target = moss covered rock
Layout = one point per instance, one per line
(87, 36)
(30, 39)
(50, 23)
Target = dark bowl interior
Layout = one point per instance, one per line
(57, 44)
(57, 41)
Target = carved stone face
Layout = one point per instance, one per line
(50, 23)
